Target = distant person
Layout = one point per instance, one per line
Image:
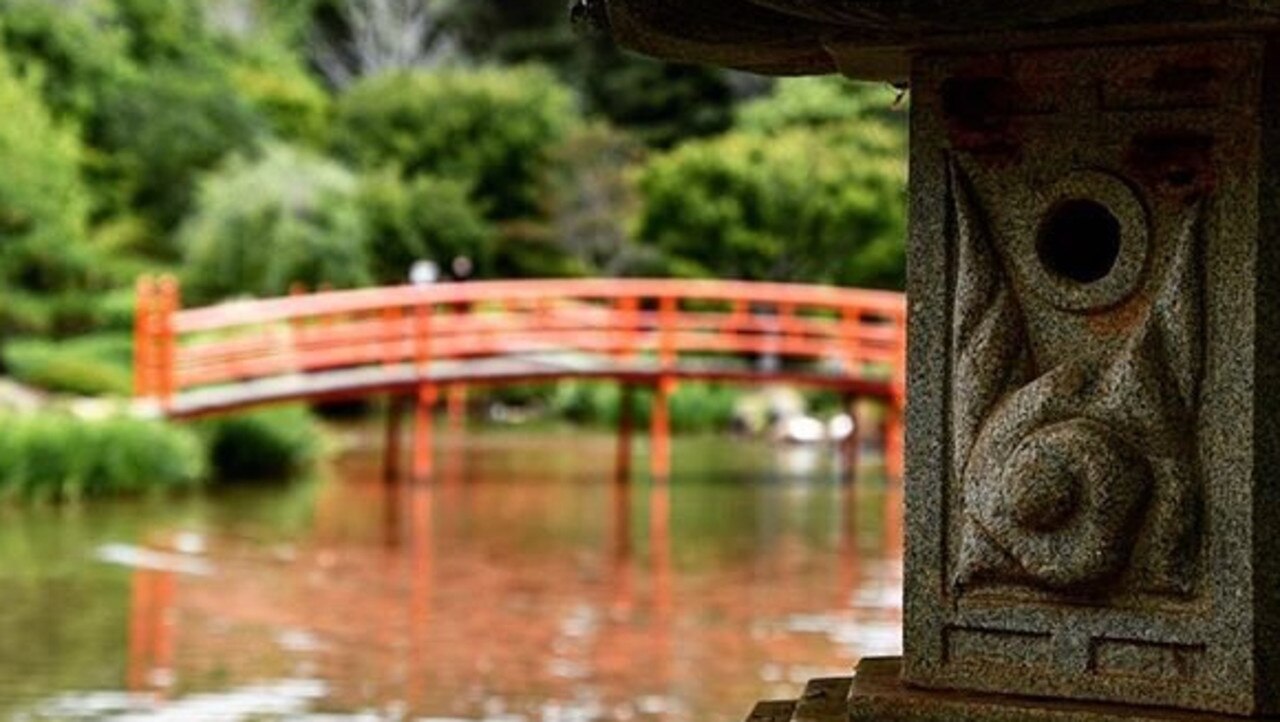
(460, 270)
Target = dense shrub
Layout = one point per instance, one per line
(491, 127)
(270, 444)
(422, 218)
(809, 205)
(52, 456)
(161, 129)
(90, 365)
(43, 203)
(261, 225)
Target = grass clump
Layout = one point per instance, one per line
(57, 457)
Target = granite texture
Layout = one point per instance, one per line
(1086, 294)
(875, 39)
(876, 693)
(1094, 359)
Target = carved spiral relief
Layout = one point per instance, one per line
(1075, 476)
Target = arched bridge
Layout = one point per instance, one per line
(417, 339)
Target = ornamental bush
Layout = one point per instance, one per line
(491, 128)
(261, 225)
(825, 205)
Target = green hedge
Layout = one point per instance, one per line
(57, 457)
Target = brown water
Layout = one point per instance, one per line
(523, 585)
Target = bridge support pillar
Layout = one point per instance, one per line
(457, 406)
(660, 429)
(424, 432)
(851, 444)
(392, 451)
(626, 432)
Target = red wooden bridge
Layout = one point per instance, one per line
(416, 340)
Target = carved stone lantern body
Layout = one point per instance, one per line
(1093, 421)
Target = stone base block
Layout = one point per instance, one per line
(876, 694)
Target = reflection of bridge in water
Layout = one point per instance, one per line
(414, 341)
(384, 623)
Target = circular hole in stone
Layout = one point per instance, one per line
(1079, 241)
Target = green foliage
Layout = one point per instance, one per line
(422, 218)
(262, 225)
(491, 127)
(592, 202)
(821, 101)
(89, 365)
(270, 444)
(660, 103)
(159, 130)
(695, 407)
(56, 457)
(823, 205)
(294, 104)
(78, 49)
(43, 203)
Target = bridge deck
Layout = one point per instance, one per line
(404, 377)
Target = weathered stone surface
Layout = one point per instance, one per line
(878, 695)
(1094, 371)
(1087, 287)
(875, 39)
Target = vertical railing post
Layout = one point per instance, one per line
(849, 331)
(166, 345)
(392, 336)
(667, 320)
(143, 340)
(626, 327)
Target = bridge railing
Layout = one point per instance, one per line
(639, 324)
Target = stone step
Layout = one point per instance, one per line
(774, 710)
(824, 700)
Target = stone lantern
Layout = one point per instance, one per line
(1093, 422)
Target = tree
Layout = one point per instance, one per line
(368, 37)
(423, 217)
(592, 202)
(490, 128)
(660, 102)
(824, 205)
(262, 225)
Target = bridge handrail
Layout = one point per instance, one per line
(664, 319)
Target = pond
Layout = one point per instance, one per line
(524, 584)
